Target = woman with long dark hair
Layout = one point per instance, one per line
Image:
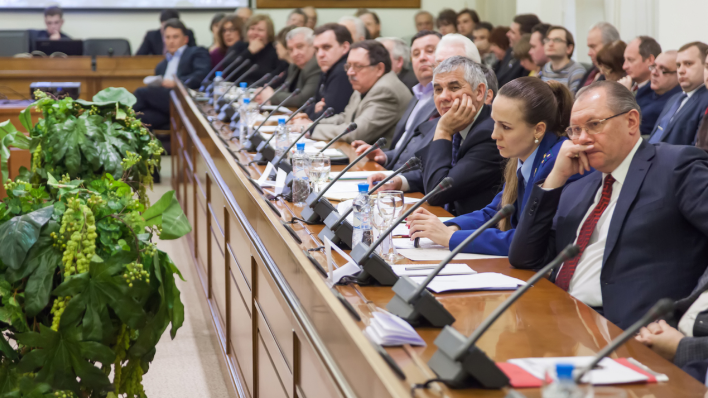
(530, 118)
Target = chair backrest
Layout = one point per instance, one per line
(13, 42)
(117, 47)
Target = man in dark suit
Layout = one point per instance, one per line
(639, 58)
(510, 68)
(153, 43)
(678, 122)
(620, 214)
(188, 64)
(54, 20)
(600, 35)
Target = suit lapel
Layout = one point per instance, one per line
(635, 177)
(401, 128)
(685, 109)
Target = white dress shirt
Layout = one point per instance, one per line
(688, 319)
(585, 283)
(173, 63)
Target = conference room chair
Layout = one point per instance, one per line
(13, 42)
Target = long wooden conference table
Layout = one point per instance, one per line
(282, 331)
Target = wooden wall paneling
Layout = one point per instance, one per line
(274, 352)
(268, 383)
(238, 245)
(311, 378)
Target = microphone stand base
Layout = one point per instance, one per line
(424, 310)
(473, 369)
(226, 112)
(252, 143)
(315, 212)
(374, 268)
(340, 234)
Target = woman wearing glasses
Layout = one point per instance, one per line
(228, 36)
(530, 119)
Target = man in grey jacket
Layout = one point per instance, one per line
(378, 102)
(303, 72)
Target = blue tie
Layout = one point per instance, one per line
(660, 132)
(456, 141)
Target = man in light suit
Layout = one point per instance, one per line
(620, 214)
(378, 102)
(678, 122)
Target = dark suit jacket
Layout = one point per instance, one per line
(657, 243)
(590, 72)
(652, 105)
(421, 137)
(509, 69)
(267, 61)
(408, 78)
(193, 67)
(153, 45)
(306, 79)
(683, 127)
(410, 146)
(334, 88)
(477, 174)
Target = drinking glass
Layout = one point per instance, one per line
(320, 167)
(390, 206)
(378, 224)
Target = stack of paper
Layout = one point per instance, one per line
(425, 269)
(483, 281)
(387, 329)
(608, 371)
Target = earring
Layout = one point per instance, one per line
(536, 142)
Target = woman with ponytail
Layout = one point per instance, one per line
(530, 118)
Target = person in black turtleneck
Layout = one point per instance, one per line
(332, 42)
(260, 36)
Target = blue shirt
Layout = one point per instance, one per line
(173, 63)
(526, 167)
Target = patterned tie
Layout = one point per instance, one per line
(456, 141)
(568, 269)
(664, 122)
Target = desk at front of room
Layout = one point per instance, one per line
(284, 334)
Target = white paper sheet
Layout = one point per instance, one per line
(407, 243)
(358, 175)
(280, 181)
(425, 269)
(153, 81)
(282, 110)
(608, 371)
(335, 275)
(263, 179)
(481, 281)
(440, 253)
(387, 329)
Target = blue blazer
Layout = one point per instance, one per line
(683, 127)
(193, 67)
(652, 105)
(494, 241)
(657, 244)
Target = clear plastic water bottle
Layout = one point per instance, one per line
(244, 121)
(301, 176)
(241, 93)
(282, 139)
(563, 384)
(219, 85)
(363, 232)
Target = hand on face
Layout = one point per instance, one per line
(394, 184)
(661, 338)
(459, 116)
(424, 224)
(571, 160)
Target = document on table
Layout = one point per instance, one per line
(358, 175)
(425, 269)
(282, 110)
(389, 330)
(263, 179)
(481, 281)
(434, 253)
(343, 190)
(607, 372)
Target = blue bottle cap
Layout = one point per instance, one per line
(219, 73)
(300, 146)
(246, 100)
(242, 85)
(564, 371)
(281, 120)
(363, 187)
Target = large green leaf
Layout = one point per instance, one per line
(45, 259)
(62, 357)
(41, 252)
(110, 96)
(65, 141)
(175, 308)
(94, 292)
(6, 349)
(167, 212)
(19, 234)
(10, 137)
(26, 118)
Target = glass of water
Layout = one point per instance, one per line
(390, 206)
(320, 168)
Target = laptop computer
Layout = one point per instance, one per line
(68, 47)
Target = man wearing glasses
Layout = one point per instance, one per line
(664, 85)
(559, 46)
(377, 103)
(640, 219)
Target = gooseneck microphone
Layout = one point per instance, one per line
(338, 229)
(375, 267)
(266, 153)
(346, 131)
(227, 111)
(254, 139)
(276, 91)
(318, 208)
(272, 82)
(659, 309)
(459, 363)
(211, 73)
(415, 304)
(282, 161)
(221, 101)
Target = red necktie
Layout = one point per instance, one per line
(568, 269)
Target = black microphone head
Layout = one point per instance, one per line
(350, 128)
(413, 163)
(310, 101)
(570, 251)
(507, 210)
(662, 307)
(329, 112)
(446, 183)
(296, 92)
(380, 142)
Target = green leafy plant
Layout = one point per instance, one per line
(85, 295)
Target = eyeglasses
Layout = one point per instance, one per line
(357, 68)
(660, 71)
(556, 40)
(592, 127)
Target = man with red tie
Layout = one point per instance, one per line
(640, 219)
